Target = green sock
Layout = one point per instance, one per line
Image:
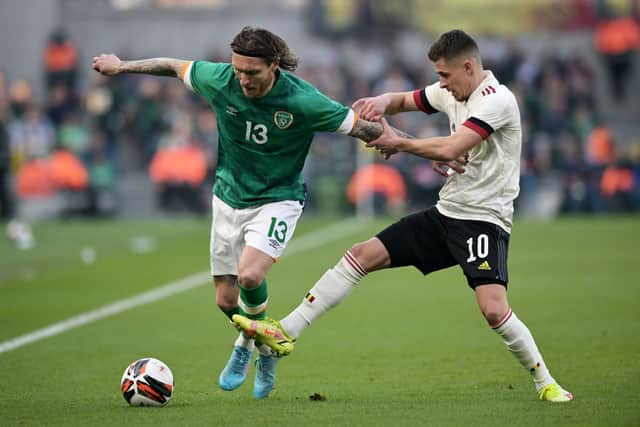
(253, 302)
(230, 313)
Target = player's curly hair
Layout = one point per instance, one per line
(261, 43)
(453, 44)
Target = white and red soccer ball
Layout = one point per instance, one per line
(147, 382)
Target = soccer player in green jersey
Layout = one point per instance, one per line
(267, 118)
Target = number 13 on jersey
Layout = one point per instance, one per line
(256, 132)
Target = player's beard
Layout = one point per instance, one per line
(249, 92)
(258, 89)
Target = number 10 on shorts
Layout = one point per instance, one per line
(482, 243)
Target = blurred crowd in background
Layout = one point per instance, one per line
(91, 130)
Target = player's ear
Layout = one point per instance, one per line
(468, 66)
(275, 64)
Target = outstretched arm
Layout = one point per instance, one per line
(110, 65)
(370, 131)
(442, 148)
(375, 107)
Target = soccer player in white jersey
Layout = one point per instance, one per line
(267, 118)
(471, 222)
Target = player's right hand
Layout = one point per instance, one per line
(106, 64)
(447, 169)
(371, 108)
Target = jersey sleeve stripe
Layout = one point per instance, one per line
(348, 123)
(185, 74)
(420, 98)
(481, 128)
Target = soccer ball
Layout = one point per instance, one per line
(147, 382)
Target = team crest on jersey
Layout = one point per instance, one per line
(283, 119)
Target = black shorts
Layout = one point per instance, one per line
(431, 241)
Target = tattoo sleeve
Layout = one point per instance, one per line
(368, 131)
(156, 66)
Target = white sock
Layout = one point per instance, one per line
(519, 341)
(334, 286)
(245, 342)
(264, 350)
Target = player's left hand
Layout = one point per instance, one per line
(446, 169)
(387, 142)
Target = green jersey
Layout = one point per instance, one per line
(263, 142)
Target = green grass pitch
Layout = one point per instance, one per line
(401, 350)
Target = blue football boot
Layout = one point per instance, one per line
(265, 376)
(234, 374)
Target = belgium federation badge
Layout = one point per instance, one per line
(283, 119)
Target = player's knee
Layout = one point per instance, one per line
(249, 279)
(359, 252)
(493, 317)
(371, 255)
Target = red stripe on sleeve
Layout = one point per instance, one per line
(478, 129)
(418, 100)
(422, 102)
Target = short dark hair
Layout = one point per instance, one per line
(453, 44)
(261, 43)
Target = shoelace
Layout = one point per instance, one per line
(263, 364)
(241, 361)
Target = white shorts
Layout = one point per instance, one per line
(267, 228)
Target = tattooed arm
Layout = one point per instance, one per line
(110, 65)
(369, 131)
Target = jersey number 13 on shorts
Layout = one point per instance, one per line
(278, 229)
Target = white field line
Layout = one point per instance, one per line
(306, 242)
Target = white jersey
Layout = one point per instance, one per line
(490, 184)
